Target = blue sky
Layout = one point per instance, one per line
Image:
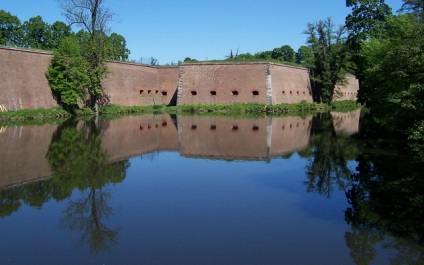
(202, 29)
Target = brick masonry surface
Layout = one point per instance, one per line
(25, 86)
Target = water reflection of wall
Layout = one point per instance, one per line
(23, 153)
(23, 149)
(346, 122)
(229, 138)
(290, 134)
(135, 135)
(223, 137)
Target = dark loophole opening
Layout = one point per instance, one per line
(193, 93)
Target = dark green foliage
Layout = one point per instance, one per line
(394, 76)
(304, 56)
(189, 60)
(366, 21)
(331, 56)
(36, 34)
(116, 48)
(414, 7)
(284, 53)
(58, 31)
(9, 29)
(67, 74)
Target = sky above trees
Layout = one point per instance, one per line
(210, 29)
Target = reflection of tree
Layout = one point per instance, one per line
(386, 193)
(361, 243)
(87, 215)
(78, 161)
(9, 202)
(329, 158)
(33, 194)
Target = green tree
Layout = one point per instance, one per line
(415, 7)
(9, 29)
(245, 57)
(67, 74)
(284, 53)
(36, 34)
(304, 56)
(116, 48)
(58, 31)
(265, 55)
(367, 20)
(331, 58)
(394, 75)
(94, 17)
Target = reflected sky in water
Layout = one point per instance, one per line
(158, 190)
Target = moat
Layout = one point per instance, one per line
(167, 189)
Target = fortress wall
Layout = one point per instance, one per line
(223, 138)
(349, 91)
(23, 82)
(23, 153)
(289, 134)
(24, 85)
(346, 122)
(132, 84)
(140, 85)
(168, 81)
(290, 84)
(214, 83)
(135, 135)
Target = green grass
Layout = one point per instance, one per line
(345, 105)
(298, 108)
(250, 60)
(34, 114)
(40, 116)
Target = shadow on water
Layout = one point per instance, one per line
(383, 185)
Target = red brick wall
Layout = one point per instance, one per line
(290, 84)
(140, 85)
(23, 82)
(24, 85)
(248, 81)
(349, 91)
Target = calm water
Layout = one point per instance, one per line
(161, 189)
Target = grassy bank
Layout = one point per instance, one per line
(238, 109)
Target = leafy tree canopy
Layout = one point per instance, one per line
(9, 28)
